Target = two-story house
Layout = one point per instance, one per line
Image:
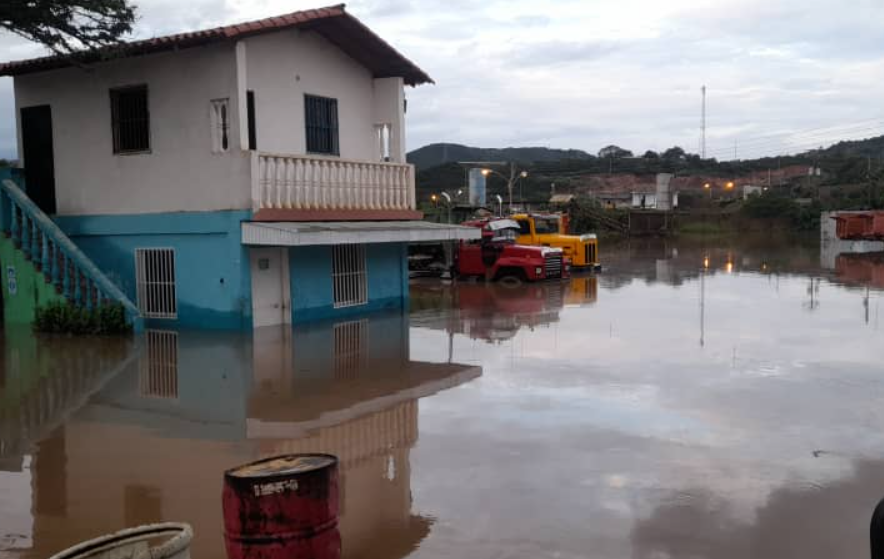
(241, 176)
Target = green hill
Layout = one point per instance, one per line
(439, 154)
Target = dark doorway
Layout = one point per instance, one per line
(36, 139)
(2, 320)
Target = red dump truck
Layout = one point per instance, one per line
(497, 256)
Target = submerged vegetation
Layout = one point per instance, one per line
(61, 317)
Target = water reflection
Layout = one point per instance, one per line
(153, 427)
(796, 521)
(596, 406)
(494, 312)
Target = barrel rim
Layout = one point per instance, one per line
(181, 533)
(232, 472)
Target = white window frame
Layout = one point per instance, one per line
(161, 302)
(349, 276)
(219, 116)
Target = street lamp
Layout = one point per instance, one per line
(510, 180)
(447, 204)
(499, 204)
(729, 185)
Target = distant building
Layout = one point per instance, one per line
(656, 196)
(561, 199)
(750, 189)
(614, 200)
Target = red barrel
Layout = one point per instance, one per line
(284, 507)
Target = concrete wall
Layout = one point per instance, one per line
(212, 271)
(24, 289)
(282, 67)
(180, 172)
(311, 281)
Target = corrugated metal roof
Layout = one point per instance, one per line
(333, 22)
(352, 232)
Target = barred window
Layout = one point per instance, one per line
(155, 282)
(130, 119)
(348, 275)
(351, 348)
(321, 118)
(158, 374)
(220, 125)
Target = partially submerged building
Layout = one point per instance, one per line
(233, 177)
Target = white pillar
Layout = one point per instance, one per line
(242, 82)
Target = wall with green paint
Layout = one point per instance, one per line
(30, 289)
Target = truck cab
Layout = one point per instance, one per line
(497, 256)
(549, 230)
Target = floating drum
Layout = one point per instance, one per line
(169, 540)
(284, 507)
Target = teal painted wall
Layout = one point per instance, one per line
(212, 266)
(30, 289)
(310, 270)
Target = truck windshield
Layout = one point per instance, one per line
(546, 225)
(505, 235)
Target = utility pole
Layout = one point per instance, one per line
(703, 124)
(735, 149)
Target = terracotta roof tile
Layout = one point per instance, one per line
(333, 23)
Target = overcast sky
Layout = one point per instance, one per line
(587, 73)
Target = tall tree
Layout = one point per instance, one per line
(66, 26)
(614, 152)
(674, 154)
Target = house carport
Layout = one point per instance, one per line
(293, 265)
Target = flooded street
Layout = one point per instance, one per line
(720, 400)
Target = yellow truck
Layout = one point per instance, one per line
(549, 230)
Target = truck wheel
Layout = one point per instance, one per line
(511, 278)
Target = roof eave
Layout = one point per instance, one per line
(309, 19)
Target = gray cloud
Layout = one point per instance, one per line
(575, 74)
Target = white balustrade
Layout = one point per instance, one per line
(300, 182)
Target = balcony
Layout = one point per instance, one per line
(320, 188)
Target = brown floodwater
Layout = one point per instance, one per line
(721, 399)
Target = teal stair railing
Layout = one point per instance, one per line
(52, 252)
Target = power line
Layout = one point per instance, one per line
(799, 140)
(795, 139)
(813, 131)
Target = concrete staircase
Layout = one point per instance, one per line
(53, 255)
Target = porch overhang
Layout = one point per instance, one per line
(352, 232)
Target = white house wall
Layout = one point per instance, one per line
(180, 173)
(282, 67)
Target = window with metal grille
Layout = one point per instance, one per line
(158, 371)
(351, 348)
(348, 275)
(321, 118)
(220, 125)
(130, 119)
(155, 282)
